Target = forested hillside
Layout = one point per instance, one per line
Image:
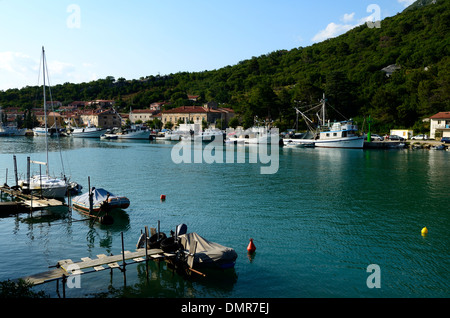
(348, 69)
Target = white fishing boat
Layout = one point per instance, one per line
(44, 184)
(88, 132)
(336, 135)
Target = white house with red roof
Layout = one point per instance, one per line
(440, 125)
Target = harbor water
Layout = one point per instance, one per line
(319, 224)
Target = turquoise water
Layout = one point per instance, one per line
(317, 224)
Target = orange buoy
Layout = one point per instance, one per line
(163, 197)
(251, 247)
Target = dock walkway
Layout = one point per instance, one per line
(67, 267)
(32, 202)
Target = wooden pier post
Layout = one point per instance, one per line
(15, 170)
(28, 174)
(6, 180)
(123, 269)
(146, 256)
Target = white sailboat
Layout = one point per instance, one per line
(336, 135)
(44, 184)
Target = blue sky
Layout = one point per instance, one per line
(88, 40)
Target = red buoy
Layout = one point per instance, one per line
(251, 247)
(163, 197)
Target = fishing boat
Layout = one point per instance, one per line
(90, 131)
(329, 135)
(44, 184)
(100, 200)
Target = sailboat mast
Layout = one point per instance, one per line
(45, 110)
(323, 110)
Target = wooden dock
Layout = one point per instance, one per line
(65, 268)
(30, 202)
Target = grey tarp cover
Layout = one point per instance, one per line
(99, 195)
(208, 252)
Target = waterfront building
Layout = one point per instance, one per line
(143, 115)
(208, 113)
(440, 125)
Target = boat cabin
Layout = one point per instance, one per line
(339, 130)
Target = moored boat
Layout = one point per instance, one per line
(208, 254)
(44, 184)
(88, 132)
(134, 132)
(100, 199)
(336, 135)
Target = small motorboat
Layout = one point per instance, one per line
(101, 199)
(208, 254)
(205, 254)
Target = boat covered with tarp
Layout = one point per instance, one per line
(101, 199)
(208, 254)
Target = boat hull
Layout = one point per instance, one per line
(46, 186)
(132, 135)
(347, 142)
(114, 203)
(89, 133)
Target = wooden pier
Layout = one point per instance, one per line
(65, 269)
(27, 201)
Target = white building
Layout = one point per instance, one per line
(404, 133)
(143, 115)
(440, 125)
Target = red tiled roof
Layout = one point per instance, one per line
(197, 109)
(441, 115)
(142, 111)
(186, 109)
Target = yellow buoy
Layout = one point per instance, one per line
(424, 231)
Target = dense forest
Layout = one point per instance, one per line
(348, 69)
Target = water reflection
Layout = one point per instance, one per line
(158, 280)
